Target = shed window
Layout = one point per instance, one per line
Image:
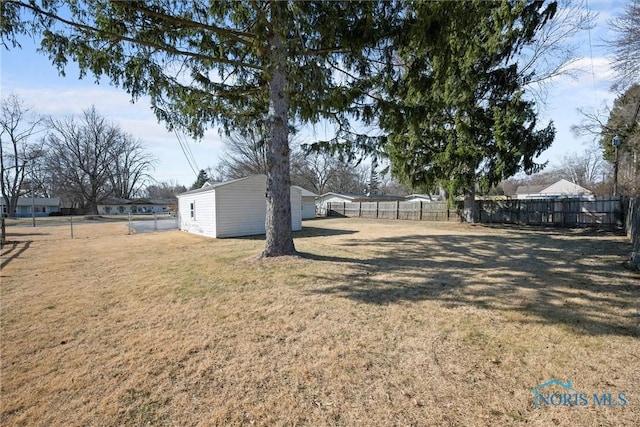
(193, 210)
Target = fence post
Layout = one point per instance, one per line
(398, 209)
(377, 208)
(420, 210)
(359, 209)
(71, 222)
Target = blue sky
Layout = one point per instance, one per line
(31, 76)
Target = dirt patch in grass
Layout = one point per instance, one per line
(376, 323)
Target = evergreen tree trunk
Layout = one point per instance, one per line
(279, 239)
(3, 231)
(470, 213)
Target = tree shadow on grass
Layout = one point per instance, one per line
(305, 232)
(12, 234)
(15, 249)
(551, 276)
(321, 232)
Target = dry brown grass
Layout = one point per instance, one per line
(379, 323)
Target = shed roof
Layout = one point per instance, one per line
(210, 186)
(420, 196)
(562, 187)
(530, 189)
(565, 187)
(305, 192)
(355, 197)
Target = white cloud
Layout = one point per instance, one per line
(594, 70)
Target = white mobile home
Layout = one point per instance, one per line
(232, 209)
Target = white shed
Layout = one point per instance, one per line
(308, 203)
(231, 209)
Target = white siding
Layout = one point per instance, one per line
(322, 202)
(204, 221)
(332, 199)
(233, 209)
(296, 209)
(242, 207)
(308, 207)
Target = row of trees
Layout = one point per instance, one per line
(447, 84)
(319, 172)
(587, 169)
(79, 159)
(622, 120)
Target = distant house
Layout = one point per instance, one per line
(117, 206)
(308, 203)
(562, 188)
(420, 198)
(232, 209)
(323, 200)
(42, 206)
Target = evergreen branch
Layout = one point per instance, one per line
(238, 36)
(162, 47)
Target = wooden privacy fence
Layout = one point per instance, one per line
(416, 211)
(600, 212)
(604, 212)
(633, 223)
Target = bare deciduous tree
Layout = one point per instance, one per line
(585, 169)
(319, 172)
(91, 158)
(130, 164)
(244, 155)
(17, 150)
(627, 44)
(553, 51)
(164, 190)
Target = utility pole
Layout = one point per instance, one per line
(616, 143)
(33, 200)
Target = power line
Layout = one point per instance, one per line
(188, 154)
(593, 72)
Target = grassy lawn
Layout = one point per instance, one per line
(378, 323)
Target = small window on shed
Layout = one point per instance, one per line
(193, 210)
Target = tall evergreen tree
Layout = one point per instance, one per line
(228, 63)
(373, 186)
(202, 178)
(457, 115)
(624, 121)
